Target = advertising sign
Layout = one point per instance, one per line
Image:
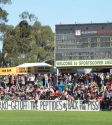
(84, 63)
(24, 70)
(6, 71)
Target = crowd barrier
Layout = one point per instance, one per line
(51, 105)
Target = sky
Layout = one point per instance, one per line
(52, 12)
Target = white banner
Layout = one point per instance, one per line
(51, 105)
(78, 105)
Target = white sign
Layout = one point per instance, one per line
(51, 105)
(77, 32)
(78, 105)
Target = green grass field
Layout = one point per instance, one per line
(55, 118)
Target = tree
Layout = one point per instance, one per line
(3, 15)
(19, 45)
(44, 38)
(3, 21)
(9, 50)
(28, 17)
(28, 42)
(42, 35)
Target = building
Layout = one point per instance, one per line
(83, 46)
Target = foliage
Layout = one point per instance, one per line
(3, 21)
(27, 16)
(3, 15)
(27, 43)
(5, 2)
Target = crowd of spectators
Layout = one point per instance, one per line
(93, 86)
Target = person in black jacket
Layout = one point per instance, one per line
(110, 103)
(98, 80)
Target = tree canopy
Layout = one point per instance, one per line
(3, 15)
(3, 21)
(27, 42)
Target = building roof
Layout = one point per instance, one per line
(33, 64)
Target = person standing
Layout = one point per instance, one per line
(46, 80)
